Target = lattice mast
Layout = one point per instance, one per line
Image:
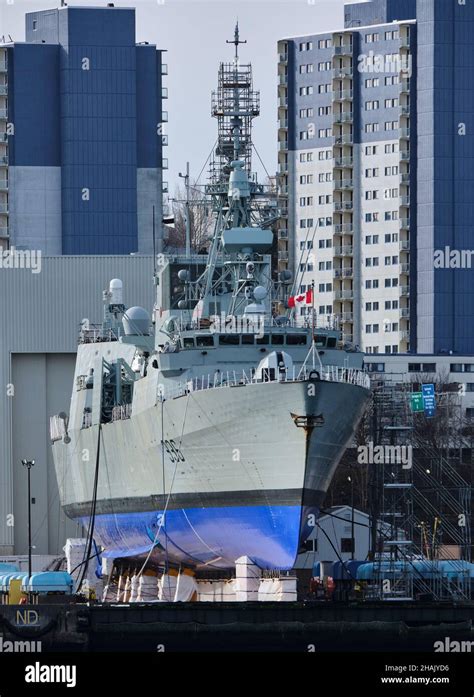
(235, 104)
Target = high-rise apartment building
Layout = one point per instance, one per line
(376, 158)
(81, 134)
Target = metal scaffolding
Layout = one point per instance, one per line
(421, 487)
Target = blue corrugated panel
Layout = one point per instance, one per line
(149, 106)
(34, 105)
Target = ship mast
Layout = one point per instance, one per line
(241, 205)
(235, 104)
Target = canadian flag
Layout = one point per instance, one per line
(305, 299)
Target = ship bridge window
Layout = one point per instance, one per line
(332, 342)
(277, 339)
(263, 339)
(320, 340)
(296, 339)
(205, 340)
(228, 339)
(248, 339)
(188, 342)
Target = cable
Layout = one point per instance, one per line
(261, 161)
(90, 532)
(169, 493)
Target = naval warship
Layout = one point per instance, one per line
(210, 429)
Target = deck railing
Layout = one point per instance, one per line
(329, 373)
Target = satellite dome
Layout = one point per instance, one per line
(116, 291)
(136, 322)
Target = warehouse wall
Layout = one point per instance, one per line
(39, 319)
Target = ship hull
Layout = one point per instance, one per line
(245, 471)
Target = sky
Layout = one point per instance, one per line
(194, 35)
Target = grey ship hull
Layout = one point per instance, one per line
(244, 469)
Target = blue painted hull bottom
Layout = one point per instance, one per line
(214, 537)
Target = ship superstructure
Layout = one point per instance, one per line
(211, 430)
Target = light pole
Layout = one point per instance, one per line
(29, 464)
(349, 479)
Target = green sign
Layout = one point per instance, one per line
(417, 401)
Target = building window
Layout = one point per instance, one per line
(35, 25)
(347, 544)
(375, 367)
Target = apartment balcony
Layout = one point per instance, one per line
(3, 89)
(3, 160)
(343, 184)
(342, 73)
(3, 66)
(404, 223)
(344, 139)
(283, 102)
(404, 245)
(3, 114)
(405, 335)
(342, 162)
(282, 79)
(343, 206)
(3, 184)
(344, 273)
(345, 251)
(283, 256)
(405, 201)
(283, 57)
(405, 86)
(405, 178)
(348, 338)
(4, 208)
(404, 291)
(344, 294)
(346, 317)
(283, 167)
(404, 268)
(343, 117)
(282, 145)
(342, 96)
(283, 124)
(404, 133)
(405, 110)
(283, 211)
(283, 190)
(405, 41)
(3, 231)
(345, 228)
(344, 50)
(404, 156)
(283, 233)
(404, 312)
